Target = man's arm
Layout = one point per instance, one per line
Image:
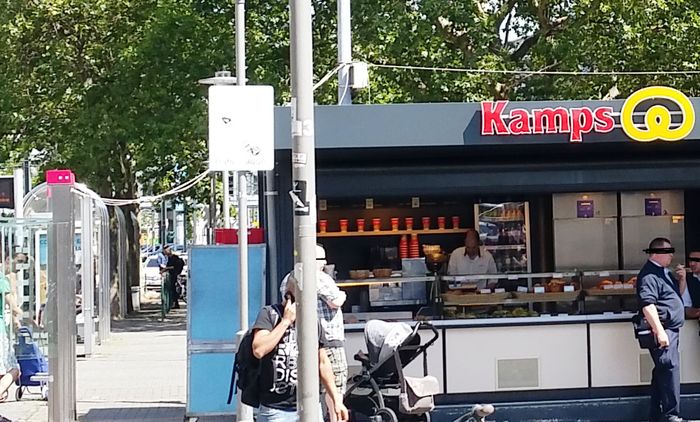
(492, 269)
(452, 264)
(329, 292)
(652, 316)
(265, 341)
(648, 294)
(325, 372)
(692, 312)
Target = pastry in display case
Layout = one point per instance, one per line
(504, 231)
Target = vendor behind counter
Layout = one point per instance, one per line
(472, 258)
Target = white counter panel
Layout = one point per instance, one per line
(690, 352)
(529, 358)
(355, 341)
(616, 358)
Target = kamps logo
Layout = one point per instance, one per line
(649, 114)
(659, 122)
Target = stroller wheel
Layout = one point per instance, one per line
(385, 415)
(18, 393)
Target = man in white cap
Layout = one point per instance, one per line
(330, 301)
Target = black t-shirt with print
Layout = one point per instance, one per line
(278, 370)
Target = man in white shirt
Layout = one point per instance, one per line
(691, 295)
(473, 259)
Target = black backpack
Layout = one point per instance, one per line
(247, 367)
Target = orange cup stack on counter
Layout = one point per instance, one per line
(441, 223)
(360, 224)
(395, 224)
(322, 226)
(455, 221)
(409, 223)
(343, 225)
(426, 223)
(376, 224)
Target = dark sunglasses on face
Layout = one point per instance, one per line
(694, 259)
(660, 250)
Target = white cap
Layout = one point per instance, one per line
(320, 252)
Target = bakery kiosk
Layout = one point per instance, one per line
(565, 195)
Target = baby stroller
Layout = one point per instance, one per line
(32, 363)
(391, 347)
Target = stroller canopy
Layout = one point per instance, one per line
(383, 338)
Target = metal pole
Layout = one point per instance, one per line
(271, 229)
(344, 52)
(27, 176)
(60, 306)
(304, 190)
(245, 413)
(212, 208)
(87, 274)
(18, 181)
(227, 207)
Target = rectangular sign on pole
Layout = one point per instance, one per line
(241, 128)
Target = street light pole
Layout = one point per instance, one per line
(245, 413)
(304, 196)
(344, 52)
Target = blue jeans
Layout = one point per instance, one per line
(666, 380)
(266, 414)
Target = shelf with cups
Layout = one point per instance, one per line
(390, 232)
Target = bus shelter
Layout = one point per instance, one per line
(92, 259)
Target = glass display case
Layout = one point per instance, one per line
(504, 229)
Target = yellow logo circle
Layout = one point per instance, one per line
(658, 118)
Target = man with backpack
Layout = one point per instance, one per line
(275, 345)
(330, 315)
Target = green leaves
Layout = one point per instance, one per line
(109, 88)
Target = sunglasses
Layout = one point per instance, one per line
(693, 259)
(660, 250)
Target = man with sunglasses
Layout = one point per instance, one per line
(691, 297)
(659, 295)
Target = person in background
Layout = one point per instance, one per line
(330, 301)
(691, 296)
(9, 367)
(165, 285)
(275, 344)
(472, 258)
(659, 296)
(175, 265)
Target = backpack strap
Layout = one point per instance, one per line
(276, 312)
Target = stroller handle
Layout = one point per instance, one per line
(425, 324)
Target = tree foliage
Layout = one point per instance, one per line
(109, 88)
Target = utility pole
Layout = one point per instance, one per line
(245, 413)
(304, 197)
(344, 52)
(226, 205)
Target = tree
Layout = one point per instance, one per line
(108, 88)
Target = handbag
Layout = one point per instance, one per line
(643, 332)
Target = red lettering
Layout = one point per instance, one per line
(519, 122)
(604, 122)
(548, 117)
(492, 118)
(581, 122)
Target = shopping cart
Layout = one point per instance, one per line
(33, 363)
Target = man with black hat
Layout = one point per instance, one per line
(659, 294)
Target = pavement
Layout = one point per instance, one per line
(139, 374)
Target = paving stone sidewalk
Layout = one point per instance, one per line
(138, 375)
